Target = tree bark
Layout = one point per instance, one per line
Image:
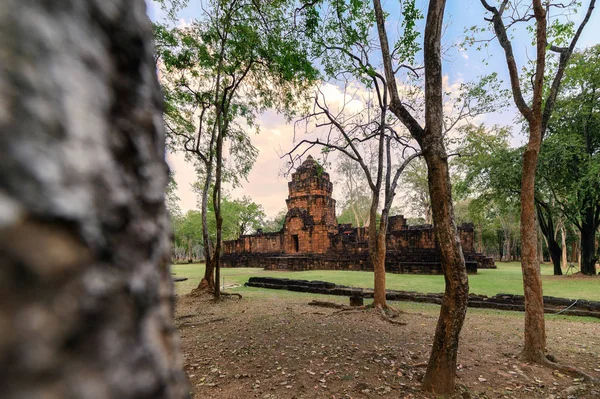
(87, 296)
(537, 117)
(479, 233)
(208, 281)
(556, 254)
(588, 242)
(540, 247)
(377, 250)
(535, 328)
(546, 223)
(441, 369)
(563, 241)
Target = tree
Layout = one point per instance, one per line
(341, 39)
(189, 233)
(240, 216)
(84, 244)
(356, 203)
(276, 223)
(570, 159)
(366, 116)
(250, 215)
(415, 179)
(441, 368)
(537, 115)
(238, 58)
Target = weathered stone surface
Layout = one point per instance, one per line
(311, 239)
(85, 287)
(574, 307)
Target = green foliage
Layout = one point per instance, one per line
(223, 69)
(341, 33)
(407, 45)
(187, 235)
(488, 186)
(276, 223)
(171, 198)
(414, 180)
(569, 164)
(355, 203)
(240, 216)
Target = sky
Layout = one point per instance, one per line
(267, 186)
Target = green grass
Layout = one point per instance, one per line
(506, 279)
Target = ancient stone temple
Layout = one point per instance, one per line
(312, 239)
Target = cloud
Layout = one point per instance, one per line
(266, 185)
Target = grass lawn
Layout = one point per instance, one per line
(506, 279)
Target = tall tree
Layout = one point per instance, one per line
(84, 239)
(537, 114)
(361, 126)
(570, 160)
(239, 57)
(356, 203)
(275, 223)
(441, 368)
(419, 200)
(366, 116)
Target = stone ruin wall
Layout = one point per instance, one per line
(311, 238)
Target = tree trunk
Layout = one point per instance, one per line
(441, 368)
(507, 248)
(563, 241)
(208, 281)
(555, 254)
(535, 328)
(540, 247)
(480, 238)
(377, 251)
(218, 216)
(546, 224)
(588, 243)
(87, 296)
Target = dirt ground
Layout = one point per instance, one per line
(269, 346)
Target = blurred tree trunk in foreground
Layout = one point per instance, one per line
(85, 291)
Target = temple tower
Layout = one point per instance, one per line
(310, 221)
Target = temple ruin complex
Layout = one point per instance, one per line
(311, 238)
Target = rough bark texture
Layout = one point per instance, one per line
(377, 251)
(441, 369)
(208, 281)
(535, 328)
(86, 294)
(588, 242)
(563, 240)
(546, 223)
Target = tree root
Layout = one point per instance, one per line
(327, 304)
(203, 289)
(185, 316)
(386, 313)
(571, 370)
(230, 294)
(390, 319)
(550, 361)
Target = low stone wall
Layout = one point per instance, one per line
(396, 262)
(552, 305)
